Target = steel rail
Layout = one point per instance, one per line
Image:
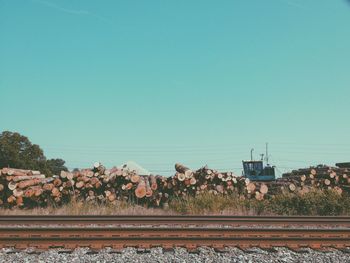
(122, 219)
(146, 237)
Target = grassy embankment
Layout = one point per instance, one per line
(312, 203)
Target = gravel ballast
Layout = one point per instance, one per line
(177, 255)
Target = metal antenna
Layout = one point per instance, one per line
(262, 156)
(251, 154)
(267, 153)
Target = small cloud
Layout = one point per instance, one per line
(70, 11)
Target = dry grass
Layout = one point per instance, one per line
(313, 203)
(323, 203)
(80, 208)
(208, 204)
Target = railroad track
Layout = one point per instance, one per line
(178, 220)
(96, 232)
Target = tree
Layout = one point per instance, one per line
(56, 165)
(18, 152)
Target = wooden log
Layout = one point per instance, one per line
(184, 170)
(98, 184)
(12, 185)
(332, 174)
(85, 179)
(16, 172)
(292, 187)
(28, 193)
(69, 184)
(4, 170)
(11, 199)
(149, 191)
(153, 182)
(327, 182)
(9, 178)
(38, 191)
(135, 178)
(79, 184)
(34, 172)
(48, 187)
(251, 187)
(140, 190)
(17, 192)
(24, 184)
(94, 181)
(70, 176)
(180, 168)
(90, 174)
(88, 186)
(259, 196)
(264, 189)
(19, 201)
(112, 197)
(193, 181)
(63, 174)
(27, 177)
(181, 177)
(57, 182)
(55, 192)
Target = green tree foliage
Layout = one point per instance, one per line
(18, 152)
(56, 165)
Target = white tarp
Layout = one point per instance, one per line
(132, 166)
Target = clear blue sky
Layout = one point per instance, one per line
(160, 82)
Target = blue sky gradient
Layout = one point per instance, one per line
(159, 82)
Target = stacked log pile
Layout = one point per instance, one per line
(190, 183)
(20, 188)
(319, 177)
(110, 185)
(26, 188)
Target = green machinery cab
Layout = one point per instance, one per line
(256, 171)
